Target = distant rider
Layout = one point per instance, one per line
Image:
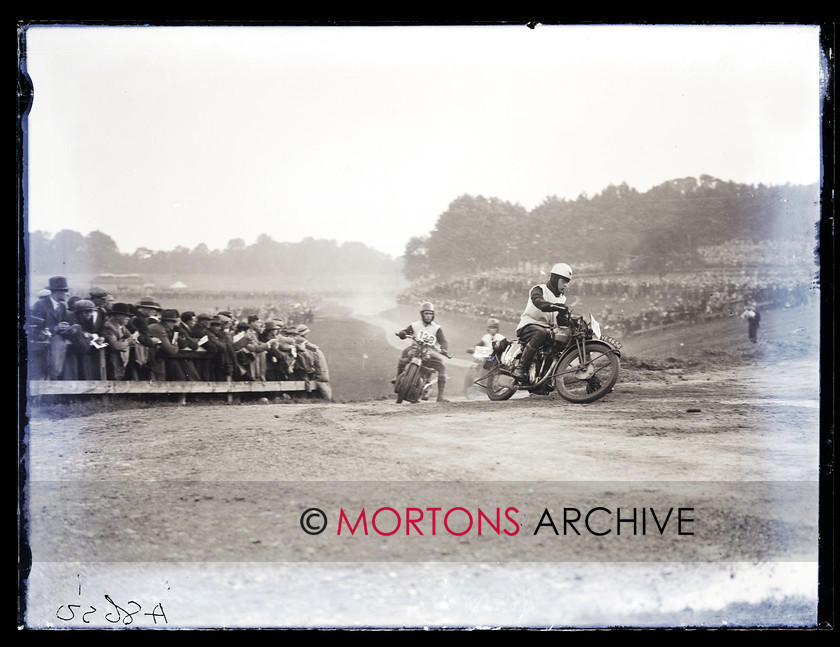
(427, 326)
(545, 309)
(491, 337)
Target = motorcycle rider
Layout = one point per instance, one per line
(545, 309)
(491, 337)
(427, 325)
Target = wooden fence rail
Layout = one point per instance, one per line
(39, 388)
(63, 387)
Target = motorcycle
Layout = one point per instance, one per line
(481, 356)
(417, 379)
(578, 362)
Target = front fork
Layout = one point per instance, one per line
(430, 375)
(581, 347)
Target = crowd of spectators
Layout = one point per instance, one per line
(291, 307)
(93, 337)
(789, 253)
(626, 304)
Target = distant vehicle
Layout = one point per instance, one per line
(110, 281)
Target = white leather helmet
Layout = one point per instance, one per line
(561, 269)
(426, 306)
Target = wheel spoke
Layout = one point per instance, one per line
(587, 381)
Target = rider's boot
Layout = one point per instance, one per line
(441, 386)
(521, 371)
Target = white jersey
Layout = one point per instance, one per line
(533, 315)
(489, 340)
(426, 332)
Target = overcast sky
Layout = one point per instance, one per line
(175, 136)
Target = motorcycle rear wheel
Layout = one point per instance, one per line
(495, 391)
(584, 382)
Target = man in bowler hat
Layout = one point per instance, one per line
(119, 340)
(147, 311)
(85, 331)
(50, 323)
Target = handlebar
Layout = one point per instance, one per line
(442, 351)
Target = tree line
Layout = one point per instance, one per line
(97, 253)
(618, 229)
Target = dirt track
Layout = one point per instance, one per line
(672, 424)
(719, 415)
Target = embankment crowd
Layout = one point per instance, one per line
(628, 306)
(94, 337)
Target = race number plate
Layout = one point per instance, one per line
(610, 340)
(426, 338)
(482, 352)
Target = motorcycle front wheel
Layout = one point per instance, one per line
(405, 382)
(584, 382)
(499, 386)
(416, 386)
